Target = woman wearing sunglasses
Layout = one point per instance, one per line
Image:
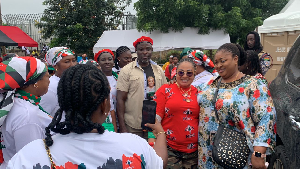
(178, 111)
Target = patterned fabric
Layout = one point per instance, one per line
(103, 51)
(203, 77)
(179, 116)
(142, 39)
(35, 100)
(262, 78)
(15, 73)
(266, 62)
(244, 105)
(201, 59)
(179, 160)
(88, 62)
(115, 75)
(54, 55)
(185, 51)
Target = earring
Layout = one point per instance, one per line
(247, 67)
(35, 85)
(55, 69)
(105, 114)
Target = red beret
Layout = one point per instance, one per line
(101, 51)
(142, 39)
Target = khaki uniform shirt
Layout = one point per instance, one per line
(131, 80)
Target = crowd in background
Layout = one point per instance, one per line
(75, 111)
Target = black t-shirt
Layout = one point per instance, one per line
(150, 80)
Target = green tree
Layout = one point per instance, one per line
(78, 24)
(236, 17)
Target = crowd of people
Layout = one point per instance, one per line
(90, 114)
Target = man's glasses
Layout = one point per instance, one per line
(188, 73)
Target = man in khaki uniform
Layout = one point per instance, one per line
(132, 87)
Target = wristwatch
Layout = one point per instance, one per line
(259, 154)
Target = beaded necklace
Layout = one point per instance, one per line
(185, 94)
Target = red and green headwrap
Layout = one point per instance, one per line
(19, 71)
(54, 55)
(103, 51)
(15, 73)
(143, 39)
(201, 59)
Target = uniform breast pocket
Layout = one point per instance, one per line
(134, 82)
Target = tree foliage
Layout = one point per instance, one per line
(78, 24)
(236, 17)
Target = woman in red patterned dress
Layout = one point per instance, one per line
(178, 111)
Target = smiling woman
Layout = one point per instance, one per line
(243, 103)
(105, 58)
(61, 58)
(178, 111)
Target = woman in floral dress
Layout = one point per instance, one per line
(243, 104)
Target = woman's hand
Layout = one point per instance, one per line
(258, 162)
(160, 146)
(157, 128)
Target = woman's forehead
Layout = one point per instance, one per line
(186, 66)
(223, 54)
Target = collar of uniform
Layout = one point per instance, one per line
(137, 64)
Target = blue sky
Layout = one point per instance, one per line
(32, 6)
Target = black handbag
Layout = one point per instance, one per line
(230, 149)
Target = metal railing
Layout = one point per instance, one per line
(27, 22)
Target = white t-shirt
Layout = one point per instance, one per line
(24, 123)
(203, 77)
(90, 150)
(49, 101)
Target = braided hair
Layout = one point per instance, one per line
(257, 45)
(236, 50)
(81, 89)
(253, 64)
(119, 51)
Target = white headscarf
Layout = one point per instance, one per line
(55, 54)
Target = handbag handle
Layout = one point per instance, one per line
(215, 99)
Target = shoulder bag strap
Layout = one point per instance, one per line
(50, 156)
(215, 99)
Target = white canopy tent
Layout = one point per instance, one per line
(162, 41)
(286, 20)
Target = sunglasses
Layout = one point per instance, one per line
(188, 73)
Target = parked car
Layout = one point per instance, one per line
(285, 91)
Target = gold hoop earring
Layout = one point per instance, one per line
(35, 85)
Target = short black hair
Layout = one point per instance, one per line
(176, 55)
(257, 45)
(253, 64)
(236, 50)
(81, 89)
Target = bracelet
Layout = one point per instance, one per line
(160, 133)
